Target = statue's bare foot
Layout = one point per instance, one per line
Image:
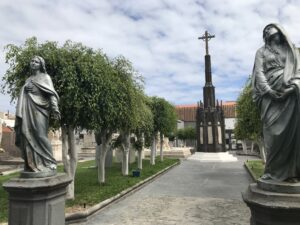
(266, 176)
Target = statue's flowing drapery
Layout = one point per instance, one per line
(32, 119)
(281, 119)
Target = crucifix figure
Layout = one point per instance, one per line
(206, 37)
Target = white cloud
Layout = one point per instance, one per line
(158, 36)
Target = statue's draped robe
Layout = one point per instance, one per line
(32, 119)
(281, 119)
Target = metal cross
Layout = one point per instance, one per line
(206, 37)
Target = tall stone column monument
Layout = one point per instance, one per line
(37, 197)
(210, 123)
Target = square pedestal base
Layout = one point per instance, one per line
(272, 208)
(37, 201)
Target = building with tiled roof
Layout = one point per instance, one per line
(188, 112)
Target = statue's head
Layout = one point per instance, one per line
(272, 32)
(38, 63)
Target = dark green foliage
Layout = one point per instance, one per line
(188, 133)
(95, 91)
(74, 68)
(165, 117)
(248, 125)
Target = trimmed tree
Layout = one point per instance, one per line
(133, 90)
(116, 111)
(165, 122)
(144, 127)
(187, 133)
(248, 124)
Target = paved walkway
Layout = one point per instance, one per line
(191, 193)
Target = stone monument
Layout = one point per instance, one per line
(38, 196)
(210, 123)
(56, 143)
(275, 198)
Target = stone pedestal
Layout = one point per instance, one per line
(37, 201)
(273, 203)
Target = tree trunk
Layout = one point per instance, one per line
(97, 156)
(262, 150)
(252, 146)
(161, 147)
(69, 156)
(153, 150)
(125, 149)
(140, 160)
(244, 146)
(98, 143)
(65, 156)
(141, 138)
(105, 136)
(73, 158)
(125, 162)
(101, 163)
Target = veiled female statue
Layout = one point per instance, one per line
(36, 101)
(276, 85)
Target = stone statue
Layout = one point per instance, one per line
(36, 101)
(276, 90)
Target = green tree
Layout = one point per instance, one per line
(249, 125)
(187, 133)
(144, 126)
(248, 118)
(165, 122)
(118, 111)
(73, 68)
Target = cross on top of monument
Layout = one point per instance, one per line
(206, 37)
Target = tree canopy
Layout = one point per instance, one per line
(164, 114)
(248, 118)
(186, 133)
(74, 69)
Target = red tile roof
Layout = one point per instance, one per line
(6, 129)
(188, 112)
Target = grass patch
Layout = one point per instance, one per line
(256, 167)
(87, 190)
(4, 197)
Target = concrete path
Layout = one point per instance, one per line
(202, 193)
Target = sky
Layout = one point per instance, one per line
(160, 37)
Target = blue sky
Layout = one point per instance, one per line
(158, 36)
